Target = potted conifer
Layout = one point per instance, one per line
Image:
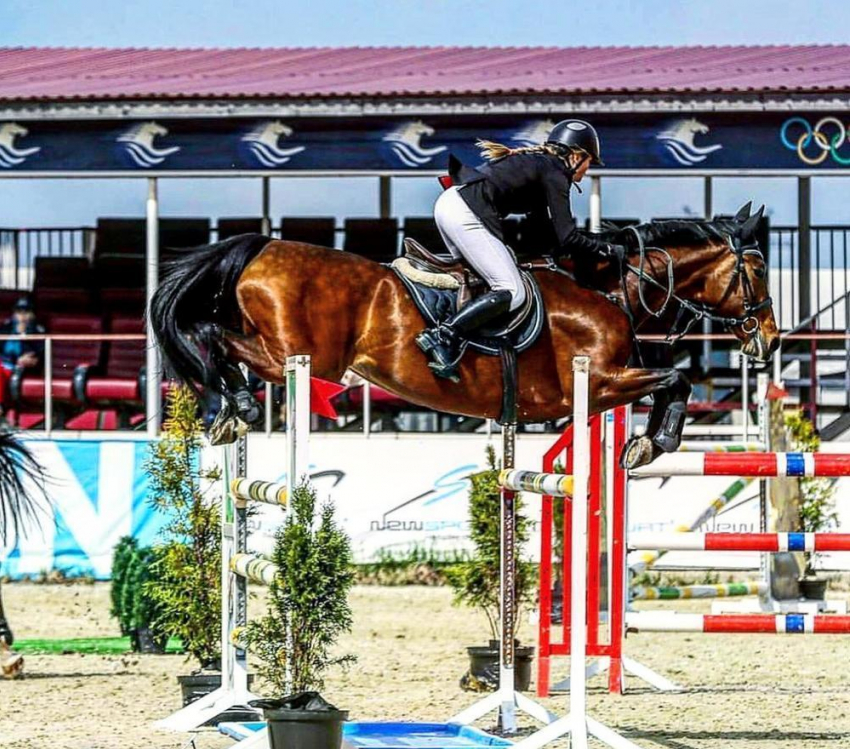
(816, 506)
(476, 581)
(308, 610)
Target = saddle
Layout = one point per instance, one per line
(440, 286)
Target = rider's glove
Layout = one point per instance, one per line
(617, 251)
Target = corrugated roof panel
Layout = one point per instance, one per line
(58, 73)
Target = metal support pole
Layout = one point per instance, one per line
(804, 245)
(385, 197)
(269, 405)
(595, 204)
(367, 408)
(707, 212)
(153, 403)
(48, 386)
(266, 222)
(745, 397)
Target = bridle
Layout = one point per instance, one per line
(748, 322)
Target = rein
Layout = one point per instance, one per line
(747, 322)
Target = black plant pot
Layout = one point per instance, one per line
(305, 729)
(813, 588)
(484, 665)
(142, 640)
(195, 686)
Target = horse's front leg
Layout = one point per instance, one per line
(670, 390)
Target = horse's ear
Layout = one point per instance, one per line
(749, 227)
(744, 212)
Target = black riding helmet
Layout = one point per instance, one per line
(577, 134)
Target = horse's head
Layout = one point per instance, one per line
(738, 291)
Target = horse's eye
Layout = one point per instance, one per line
(760, 272)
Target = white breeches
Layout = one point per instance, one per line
(465, 236)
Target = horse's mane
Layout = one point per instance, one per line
(677, 232)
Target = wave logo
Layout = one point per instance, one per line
(534, 133)
(138, 142)
(678, 140)
(814, 144)
(406, 143)
(10, 155)
(264, 142)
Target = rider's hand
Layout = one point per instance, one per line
(617, 251)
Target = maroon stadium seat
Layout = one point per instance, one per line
(71, 359)
(118, 386)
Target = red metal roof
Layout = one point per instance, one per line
(68, 73)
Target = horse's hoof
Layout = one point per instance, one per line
(248, 408)
(637, 452)
(242, 428)
(223, 431)
(11, 664)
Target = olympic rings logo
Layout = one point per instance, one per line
(814, 144)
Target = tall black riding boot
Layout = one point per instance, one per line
(447, 342)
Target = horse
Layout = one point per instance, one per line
(22, 488)
(253, 300)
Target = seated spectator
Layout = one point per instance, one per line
(19, 353)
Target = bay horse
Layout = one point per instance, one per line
(22, 488)
(253, 300)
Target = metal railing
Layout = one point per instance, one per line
(20, 247)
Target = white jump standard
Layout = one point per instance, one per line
(237, 565)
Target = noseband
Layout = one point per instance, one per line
(748, 322)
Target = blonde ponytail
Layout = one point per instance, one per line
(493, 151)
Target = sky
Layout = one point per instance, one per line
(271, 23)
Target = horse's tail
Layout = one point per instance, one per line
(197, 289)
(22, 487)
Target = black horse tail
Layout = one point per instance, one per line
(198, 289)
(22, 487)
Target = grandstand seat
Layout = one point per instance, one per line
(120, 280)
(320, 231)
(72, 360)
(233, 227)
(375, 238)
(120, 236)
(62, 285)
(119, 384)
(424, 230)
(128, 236)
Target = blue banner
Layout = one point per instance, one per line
(711, 141)
(99, 493)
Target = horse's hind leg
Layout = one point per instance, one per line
(240, 408)
(5, 632)
(11, 663)
(669, 389)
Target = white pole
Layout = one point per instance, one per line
(152, 396)
(595, 204)
(745, 397)
(268, 408)
(298, 419)
(578, 598)
(48, 386)
(367, 408)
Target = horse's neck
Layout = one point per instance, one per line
(691, 267)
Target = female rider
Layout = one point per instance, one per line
(469, 216)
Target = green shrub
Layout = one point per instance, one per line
(187, 582)
(817, 495)
(476, 581)
(308, 602)
(132, 604)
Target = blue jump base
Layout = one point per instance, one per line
(393, 735)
